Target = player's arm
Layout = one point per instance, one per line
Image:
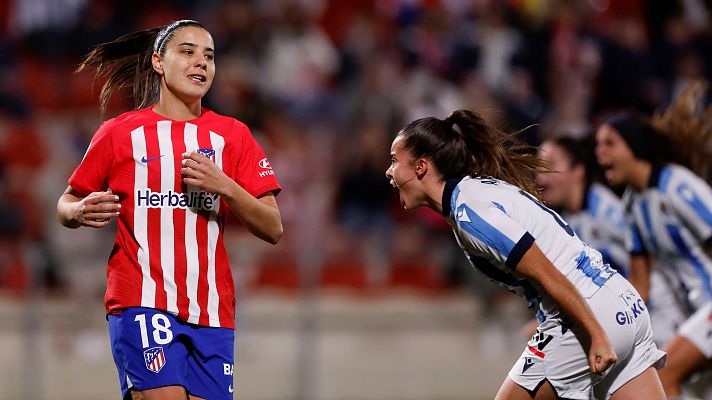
(260, 215)
(640, 274)
(94, 210)
(535, 266)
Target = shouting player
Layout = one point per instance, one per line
(670, 212)
(594, 335)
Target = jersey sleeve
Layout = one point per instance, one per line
(490, 229)
(92, 174)
(254, 171)
(691, 199)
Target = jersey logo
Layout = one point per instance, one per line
(210, 153)
(155, 359)
(230, 389)
(264, 163)
(462, 216)
(540, 340)
(528, 362)
(200, 200)
(147, 160)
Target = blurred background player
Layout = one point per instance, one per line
(462, 168)
(671, 220)
(574, 188)
(170, 171)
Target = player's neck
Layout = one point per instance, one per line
(576, 198)
(434, 196)
(172, 107)
(640, 173)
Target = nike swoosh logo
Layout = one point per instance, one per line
(145, 160)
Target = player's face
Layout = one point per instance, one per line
(401, 174)
(188, 64)
(614, 155)
(556, 185)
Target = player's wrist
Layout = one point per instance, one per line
(228, 190)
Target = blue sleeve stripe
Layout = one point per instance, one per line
(685, 251)
(453, 201)
(665, 175)
(594, 199)
(645, 207)
(637, 245)
(482, 230)
(524, 244)
(695, 203)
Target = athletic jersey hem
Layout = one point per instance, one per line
(228, 324)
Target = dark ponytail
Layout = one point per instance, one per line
(126, 62)
(463, 144)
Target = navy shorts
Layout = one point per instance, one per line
(153, 349)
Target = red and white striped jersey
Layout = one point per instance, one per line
(169, 252)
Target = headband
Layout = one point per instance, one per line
(168, 29)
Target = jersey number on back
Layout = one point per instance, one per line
(556, 217)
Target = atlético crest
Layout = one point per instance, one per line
(210, 153)
(155, 358)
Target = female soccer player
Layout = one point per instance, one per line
(596, 214)
(572, 188)
(594, 336)
(170, 173)
(671, 212)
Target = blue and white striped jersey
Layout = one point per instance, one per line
(671, 220)
(495, 223)
(601, 224)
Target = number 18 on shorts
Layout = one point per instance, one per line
(152, 349)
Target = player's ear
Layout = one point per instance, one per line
(157, 63)
(580, 171)
(421, 167)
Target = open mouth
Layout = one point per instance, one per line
(608, 171)
(197, 78)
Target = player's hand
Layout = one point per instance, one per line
(601, 355)
(97, 209)
(200, 171)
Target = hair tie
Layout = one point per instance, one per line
(449, 122)
(452, 125)
(168, 29)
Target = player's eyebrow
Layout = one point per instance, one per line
(194, 45)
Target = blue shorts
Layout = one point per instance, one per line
(153, 349)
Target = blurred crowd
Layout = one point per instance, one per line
(325, 85)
